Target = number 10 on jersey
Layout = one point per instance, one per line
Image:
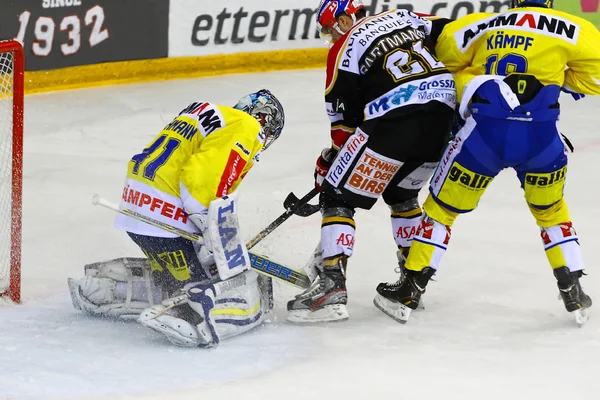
(507, 64)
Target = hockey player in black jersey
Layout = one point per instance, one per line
(391, 104)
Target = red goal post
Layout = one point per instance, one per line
(12, 70)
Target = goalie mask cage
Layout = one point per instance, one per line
(11, 166)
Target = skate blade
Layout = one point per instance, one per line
(394, 310)
(331, 313)
(581, 316)
(73, 288)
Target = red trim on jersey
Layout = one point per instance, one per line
(332, 58)
(339, 136)
(233, 169)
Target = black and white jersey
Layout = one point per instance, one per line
(385, 67)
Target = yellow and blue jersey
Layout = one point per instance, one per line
(201, 155)
(556, 47)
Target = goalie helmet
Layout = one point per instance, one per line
(267, 110)
(534, 3)
(330, 10)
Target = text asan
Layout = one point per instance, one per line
(345, 239)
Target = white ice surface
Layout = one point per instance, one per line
(493, 327)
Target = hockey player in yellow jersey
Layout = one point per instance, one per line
(509, 69)
(200, 156)
(532, 38)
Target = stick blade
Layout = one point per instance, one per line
(291, 202)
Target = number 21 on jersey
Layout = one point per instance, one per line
(402, 64)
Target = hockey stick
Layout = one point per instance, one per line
(294, 205)
(257, 262)
(302, 207)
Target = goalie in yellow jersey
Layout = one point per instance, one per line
(199, 157)
(509, 70)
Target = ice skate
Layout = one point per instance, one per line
(398, 299)
(325, 300)
(576, 301)
(401, 270)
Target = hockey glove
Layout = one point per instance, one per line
(323, 164)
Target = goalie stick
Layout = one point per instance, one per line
(259, 263)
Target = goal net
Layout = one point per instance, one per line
(11, 156)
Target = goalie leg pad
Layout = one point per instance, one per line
(213, 312)
(117, 288)
(237, 310)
